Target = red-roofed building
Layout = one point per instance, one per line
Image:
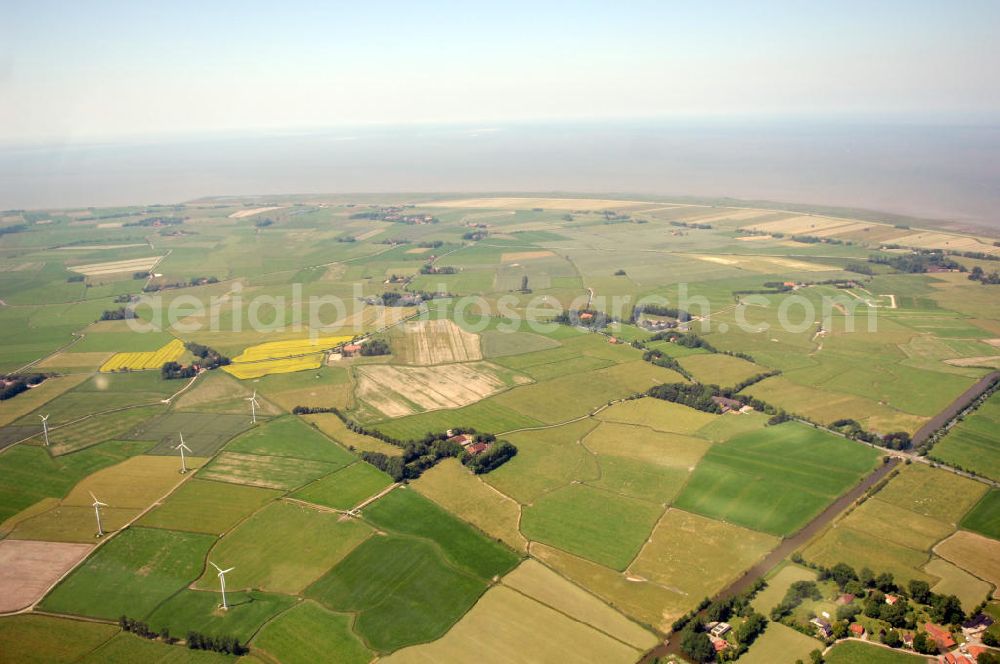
(462, 439)
(956, 658)
(858, 630)
(586, 315)
(941, 635)
(846, 598)
(476, 448)
(718, 644)
(350, 350)
(891, 599)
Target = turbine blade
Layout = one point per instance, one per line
(214, 565)
(226, 571)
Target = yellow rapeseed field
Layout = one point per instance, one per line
(245, 370)
(273, 350)
(171, 352)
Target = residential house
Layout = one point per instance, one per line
(476, 448)
(720, 629)
(728, 405)
(462, 439)
(845, 599)
(858, 630)
(350, 350)
(823, 628)
(942, 637)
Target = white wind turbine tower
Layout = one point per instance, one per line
(45, 428)
(182, 447)
(222, 582)
(253, 407)
(97, 512)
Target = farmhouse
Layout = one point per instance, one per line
(462, 439)
(586, 315)
(727, 404)
(476, 448)
(823, 627)
(845, 599)
(942, 637)
(719, 644)
(718, 630)
(857, 630)
(350, 350)
(891, 599)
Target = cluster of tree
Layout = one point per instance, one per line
(688, 224)
(657, 358)
(943, 609)
(612, 215)
(859, 268)
(193, 281)
(695, 643)
(991, 279)
(13, 385)
(797, 593)
(431, 244)
(15, 228)
(156, 221)
(347, 238)
(121, 313)
(475, 236)
(228, 645)
(375, 347)
(660, 310)
(142, 629)
(692, 395)
(209, 358)
(895, 440)
(495, 456)
(123, 299)
(812, 239)
(74, 278)
(916, 262)
(399, 299)
(430, 268)
(143, 274)
(588, 318)
(393, 241)
(620, 272)
(175, 370)
(524, 285)
(263, 223)
(419, 455)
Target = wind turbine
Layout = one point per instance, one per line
(182, 447)
(253, 407)
(97, 512)
(45, 428)
(222, 582)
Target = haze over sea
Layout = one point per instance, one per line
(930, 170)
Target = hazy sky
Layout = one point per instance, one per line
(82, 70)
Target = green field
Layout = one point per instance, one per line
(852, 652)
(268, 472)
(203, 506)
(972, 443)
(107, 586)
(283, 548)
(345, 488)
(204, 433)
(780, 643)
(406, 512)
(984, 518)
(29, 474)
(401, 589)
(291, 437)
(309, 633)
(33, 639)
(128, 648)
(196, 610)
(777, 479)
(598, 525)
